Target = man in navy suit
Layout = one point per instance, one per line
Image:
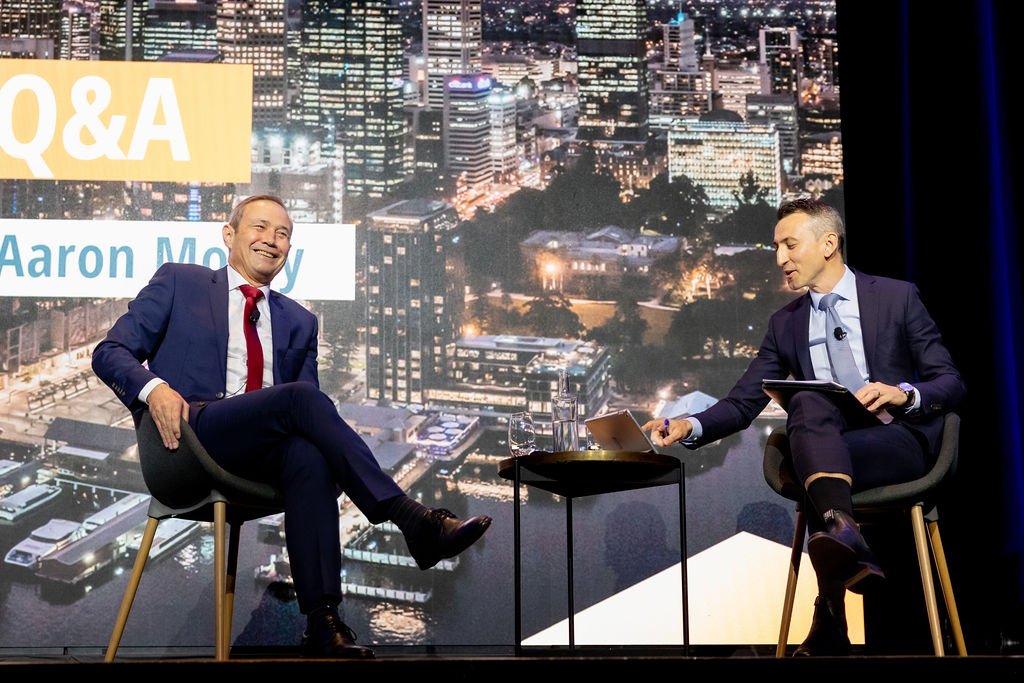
(237, 361)
(902, 371)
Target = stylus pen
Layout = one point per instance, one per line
(664, 430)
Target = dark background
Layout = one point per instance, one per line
(930, 156)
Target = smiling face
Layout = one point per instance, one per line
(259, 246)
(807, 258)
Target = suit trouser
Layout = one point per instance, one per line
(291, 435)
(821, 441)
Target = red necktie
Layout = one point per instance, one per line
(253, 348)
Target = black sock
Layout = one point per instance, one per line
(830, 493)
(406, 513)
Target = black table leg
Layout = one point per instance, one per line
(568, 562)
(518, 568)
(682, 558)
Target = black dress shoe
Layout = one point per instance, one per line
(841, 553)
(827, 637)
(442, 535)
(330, 638)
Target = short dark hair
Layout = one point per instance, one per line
(826, 218)
(239, 210)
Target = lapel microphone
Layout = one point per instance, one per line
(839, 333)
(254, 317)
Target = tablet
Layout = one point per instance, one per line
(856, 414)
(619, 431)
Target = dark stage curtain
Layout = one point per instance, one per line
(931, 154)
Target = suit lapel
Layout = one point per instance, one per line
(219, 309)
(279, 328)
(867, 302)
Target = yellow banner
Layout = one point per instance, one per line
(149, 121)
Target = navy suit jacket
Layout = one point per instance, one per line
(901, 342)
(178, 326)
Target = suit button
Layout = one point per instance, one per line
(219, 394)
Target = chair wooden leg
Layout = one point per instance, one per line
(925, 565)
(947, 587)
(220, 578)
(229, 587)
(133, 587)
(794, 574)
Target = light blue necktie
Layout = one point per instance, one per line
(840, 355)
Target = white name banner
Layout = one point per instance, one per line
(81, 258)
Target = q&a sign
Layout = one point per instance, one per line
(149, 121)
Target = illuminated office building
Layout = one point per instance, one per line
(253, 32)
(179, 27)
(452, 40)
(121, 24)
(39, 19)
(612, 70)
(676, 93)
(495, 376)
(413, 298)
(680, 45)
(467, 129)
(780, 110)
(822, 154)
(352, 84)
(504, 154)
(732, 84)
(716, 154)
(76, 34)
(781, 60)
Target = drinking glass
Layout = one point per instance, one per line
(522, 437)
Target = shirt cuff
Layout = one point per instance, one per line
(917, 403)
(148, 389)
(696, 432)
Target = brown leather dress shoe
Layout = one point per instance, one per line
(444, 535)
(828, 636)
(330, 638)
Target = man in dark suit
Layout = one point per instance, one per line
(237, 361)
(872, 335)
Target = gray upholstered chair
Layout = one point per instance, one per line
(187, 483)
(918, 495)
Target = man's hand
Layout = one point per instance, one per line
(661, 436)
(875, 396)
(168, 409)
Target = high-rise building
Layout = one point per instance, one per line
(780, 110)
(39, 19)
(179, 27)
(253, 32)
(676, 93)
(413, 299)
(732, 84)
(76, 34)
(121, 23)
(822, 154)
(352, 85)
(504, 154)
(781, 60)
(612, 70)
(467, 129)
(716, 154)
(452, 43)
(680, 44)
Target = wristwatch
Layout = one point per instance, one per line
(911, 393)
